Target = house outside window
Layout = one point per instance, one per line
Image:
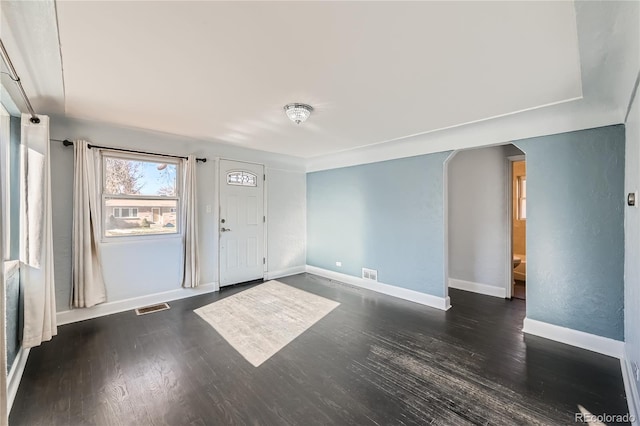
(124, 212)
(140, 195)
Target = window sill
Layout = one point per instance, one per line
(140, 238)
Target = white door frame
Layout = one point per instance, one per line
(216, 216)
(445, 207)
(509, 196)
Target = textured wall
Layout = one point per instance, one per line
(386, 216)
(286, 209)
(62, 206)
(632, 238)
(575, 233)
(477, 216)
(145, 267)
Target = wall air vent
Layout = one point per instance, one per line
(370, 274)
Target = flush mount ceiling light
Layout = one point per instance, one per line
(298, 113)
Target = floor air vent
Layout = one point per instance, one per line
(151, 309)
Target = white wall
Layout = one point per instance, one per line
(287, 197)
(61, 203)
(632, 243)
(133, 269)
(477, 217)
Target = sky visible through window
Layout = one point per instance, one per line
(132, 177)
(153, 179)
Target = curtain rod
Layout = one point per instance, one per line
(14, 76)
(67, 142)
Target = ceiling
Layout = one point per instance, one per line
(375, 72)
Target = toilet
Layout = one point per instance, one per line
(516, 261)
(520, 267)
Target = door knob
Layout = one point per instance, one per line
(224, 229)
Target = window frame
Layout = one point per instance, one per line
(521, 198)
(150, 158)
(5, 185)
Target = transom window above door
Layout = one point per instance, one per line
(242, 178)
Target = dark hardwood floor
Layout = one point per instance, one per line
(373, 360)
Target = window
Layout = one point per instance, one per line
(140, 195)
(5, 183)
(522, 198)
(242, 179)
(125, 212)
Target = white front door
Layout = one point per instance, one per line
(241, 220)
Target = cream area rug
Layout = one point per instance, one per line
(260, 321)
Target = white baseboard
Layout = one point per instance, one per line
(488, 290)
(272, 275)
(402, 293)
(15, 376)
(580, 339)
(108, 308)
(630, 388)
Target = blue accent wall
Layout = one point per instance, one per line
(387, 216)
(575, 230)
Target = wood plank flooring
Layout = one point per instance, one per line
(373, 360)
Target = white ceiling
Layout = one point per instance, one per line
(374, 71)
(29, 33)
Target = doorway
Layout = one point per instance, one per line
(241, 222)
(519, 226)
(479, 222)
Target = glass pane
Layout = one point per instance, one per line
(133, 177)
(242, 179)
(523, 209)
(523, 187)
(130, 216)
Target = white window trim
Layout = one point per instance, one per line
(5, 191)
(114, 153)
(520, 197)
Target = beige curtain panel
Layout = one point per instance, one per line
(36, 234)
(191, 276)
(88, 288)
